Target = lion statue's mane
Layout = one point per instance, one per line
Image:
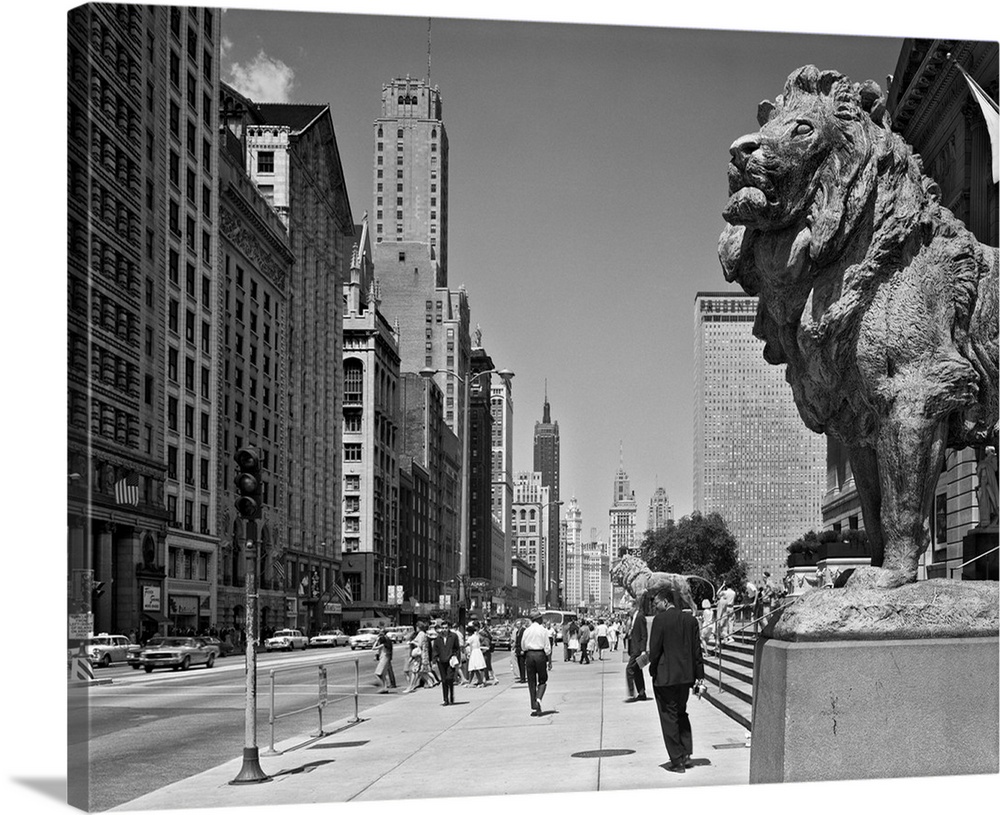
(880, 302)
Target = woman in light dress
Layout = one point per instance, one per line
(477, 662)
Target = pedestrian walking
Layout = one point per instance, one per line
(565, 640)
(474, 656)
(724, 614)
(537, 647)
(486, 645)
(519, 652)
(613, 635)
(707, 625)
(382, 660)
(675, 666)
(447, 655)
(584, 637)
(602, 638)
(637, 656)
(573, 640)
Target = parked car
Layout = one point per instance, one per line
(104, 649)
(179, 653)
(328, 639)
(365, 638)
(287, 639)
(501, 637)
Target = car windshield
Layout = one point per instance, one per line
(285, 633)
(171, 642)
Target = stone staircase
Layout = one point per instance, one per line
(733, 692)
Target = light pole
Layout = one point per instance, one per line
(463, 544)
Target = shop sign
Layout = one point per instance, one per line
(332, 608)
(150, 598)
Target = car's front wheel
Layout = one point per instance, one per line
(211, 661)
(106, 661)
(185, 663)
(148, 668)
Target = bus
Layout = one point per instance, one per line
(560, 618)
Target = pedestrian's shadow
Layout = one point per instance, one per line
(466, 702)
(547, 713)
(692, 763)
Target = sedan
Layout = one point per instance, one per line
(365, 638)
(287, 639)
(179, 653)
(328, 639)
(218, 646)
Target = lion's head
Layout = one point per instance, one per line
(811, 168)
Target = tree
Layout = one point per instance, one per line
(699, 545)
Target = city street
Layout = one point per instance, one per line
(149, 730)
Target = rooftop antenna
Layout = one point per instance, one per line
(428, 52)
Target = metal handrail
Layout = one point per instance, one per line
(951, 569)
(718, 637)
(321, 699)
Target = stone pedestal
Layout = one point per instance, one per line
(852, 709)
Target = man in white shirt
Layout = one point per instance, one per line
(537, 648)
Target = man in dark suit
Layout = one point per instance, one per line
(675, 664)
(636, 647)
(519, 653)
(445, 647)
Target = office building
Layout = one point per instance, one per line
(621, 515)
(573, 584)
(143, 244)
(502, 411)
(660, 511)
(546, 462)
(530, 517)
(755, 462)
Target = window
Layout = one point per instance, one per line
(189, 524)
(204, 474)
(189, 421)
(190, 234)
(206, 155)
(192, 91)
(352, 452)
(172, 412)
(148, 390)
(189, 326)
(352, 423)
(172, 364)
(206, 62)
(189, 280)
(192, 44)
(206, 246)
(189, 468)
(206, 107)
(204, 428)
(172, 462)
(206, 201)
(175, 69)
(172, 313)
(192, 137)
(191, 186)
(189, 373)
(175, 169)
(265, 161)
(174, 264)
(202, 557)
(206, 337)
(353, 382)
(205, 382)
(175, 119)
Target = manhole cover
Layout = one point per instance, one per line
(602, 753)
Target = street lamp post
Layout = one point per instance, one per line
(463, 545)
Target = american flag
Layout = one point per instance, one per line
(279, 569)
(127, 490)
(344, 593)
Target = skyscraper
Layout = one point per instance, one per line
(660, 510)
(621, 516)
(410, 192)
(755, 462)
(502, 409)
(546, 462)
(573, 581)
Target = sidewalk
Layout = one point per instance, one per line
(400, 748)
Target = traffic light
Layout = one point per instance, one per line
(247, 481)
(96, 590)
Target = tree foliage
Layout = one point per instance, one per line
(699, 545)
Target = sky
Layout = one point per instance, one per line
(582, 239)
(587, 177)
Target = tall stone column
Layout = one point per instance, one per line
(128, 552)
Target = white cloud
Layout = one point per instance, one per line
(227, 45)
(263, 79)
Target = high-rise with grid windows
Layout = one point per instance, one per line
(755, 462)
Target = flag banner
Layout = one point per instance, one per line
(992, 117)
(127, 490)
(344, 593)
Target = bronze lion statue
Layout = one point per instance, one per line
(633, 575)
(880, 302)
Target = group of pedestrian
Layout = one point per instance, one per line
(672, 650)
(441, 654)
(588, 639)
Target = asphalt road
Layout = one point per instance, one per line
(144, 731)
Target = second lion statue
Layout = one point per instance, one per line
(880, 302)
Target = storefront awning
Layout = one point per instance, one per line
(155, 616)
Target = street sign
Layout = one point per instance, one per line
(332, 608)
(81, 626)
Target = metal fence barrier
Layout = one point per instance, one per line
(322, 698)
